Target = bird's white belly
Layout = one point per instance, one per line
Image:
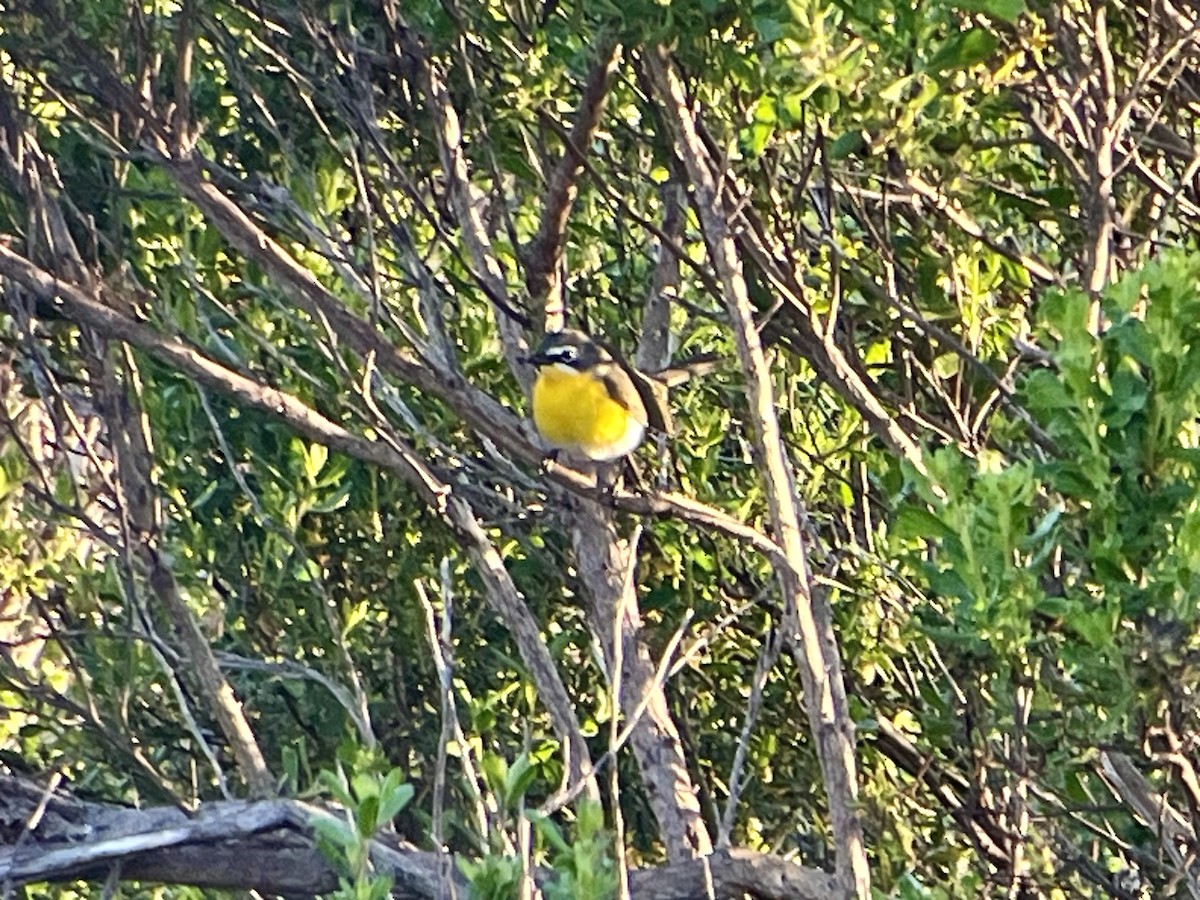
(634, 432)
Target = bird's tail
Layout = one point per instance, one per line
(696, 366)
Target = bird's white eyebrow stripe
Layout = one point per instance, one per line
(560, 350)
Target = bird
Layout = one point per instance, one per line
(590, 402)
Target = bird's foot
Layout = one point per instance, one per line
(549, 461)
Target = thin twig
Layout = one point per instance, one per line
(767, 658)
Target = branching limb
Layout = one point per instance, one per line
(824, 691)
(266, 846)
(602, 559)
(1176, 835)
(466, 201)
(500, 590)
(543, 255)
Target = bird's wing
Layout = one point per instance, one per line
(645, 398)
(658, 407)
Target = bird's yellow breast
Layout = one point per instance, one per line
(573, 411)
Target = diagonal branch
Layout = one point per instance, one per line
(825, 355)
(466, 201)
(815, 650)
(543, 254)
(1175, 834)
(118, 395)
(482, 411)
(500, 591)
(953, 211)
(116, 389)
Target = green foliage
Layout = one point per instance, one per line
(1102, 534)
(509, 783)
(370, 804)
(583, 863)
(988, 551)
(1050, 558)
(492, 877)
(1074, 572)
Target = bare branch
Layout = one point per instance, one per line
(266, 846)
(543, 254)
(828, 711)
(466, 201)
(767, 658)
(956, 214)
(118, 395)
(602, 559)
(501, 592)
(1176, 835)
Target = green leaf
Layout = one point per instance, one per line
(495, 772)
(518, 779)
(1095, 626)
(1054, 607)
(366, 817)
(919, 522)
(336, 785)
(335, 831)
(963, 50)
(394, 795)
(1006, 10)
(291, 767)
(1044, 390)
(365, 785)
(205, 495)
(898, 90)
(909, 888)
(1044, 527)
(769, 29)
(949, 583)
(847, 145)
(334, 501)
(549, 831)
(315, 456)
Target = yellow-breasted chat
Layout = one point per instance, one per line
(588, 401)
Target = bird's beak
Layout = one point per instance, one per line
(536, 358)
